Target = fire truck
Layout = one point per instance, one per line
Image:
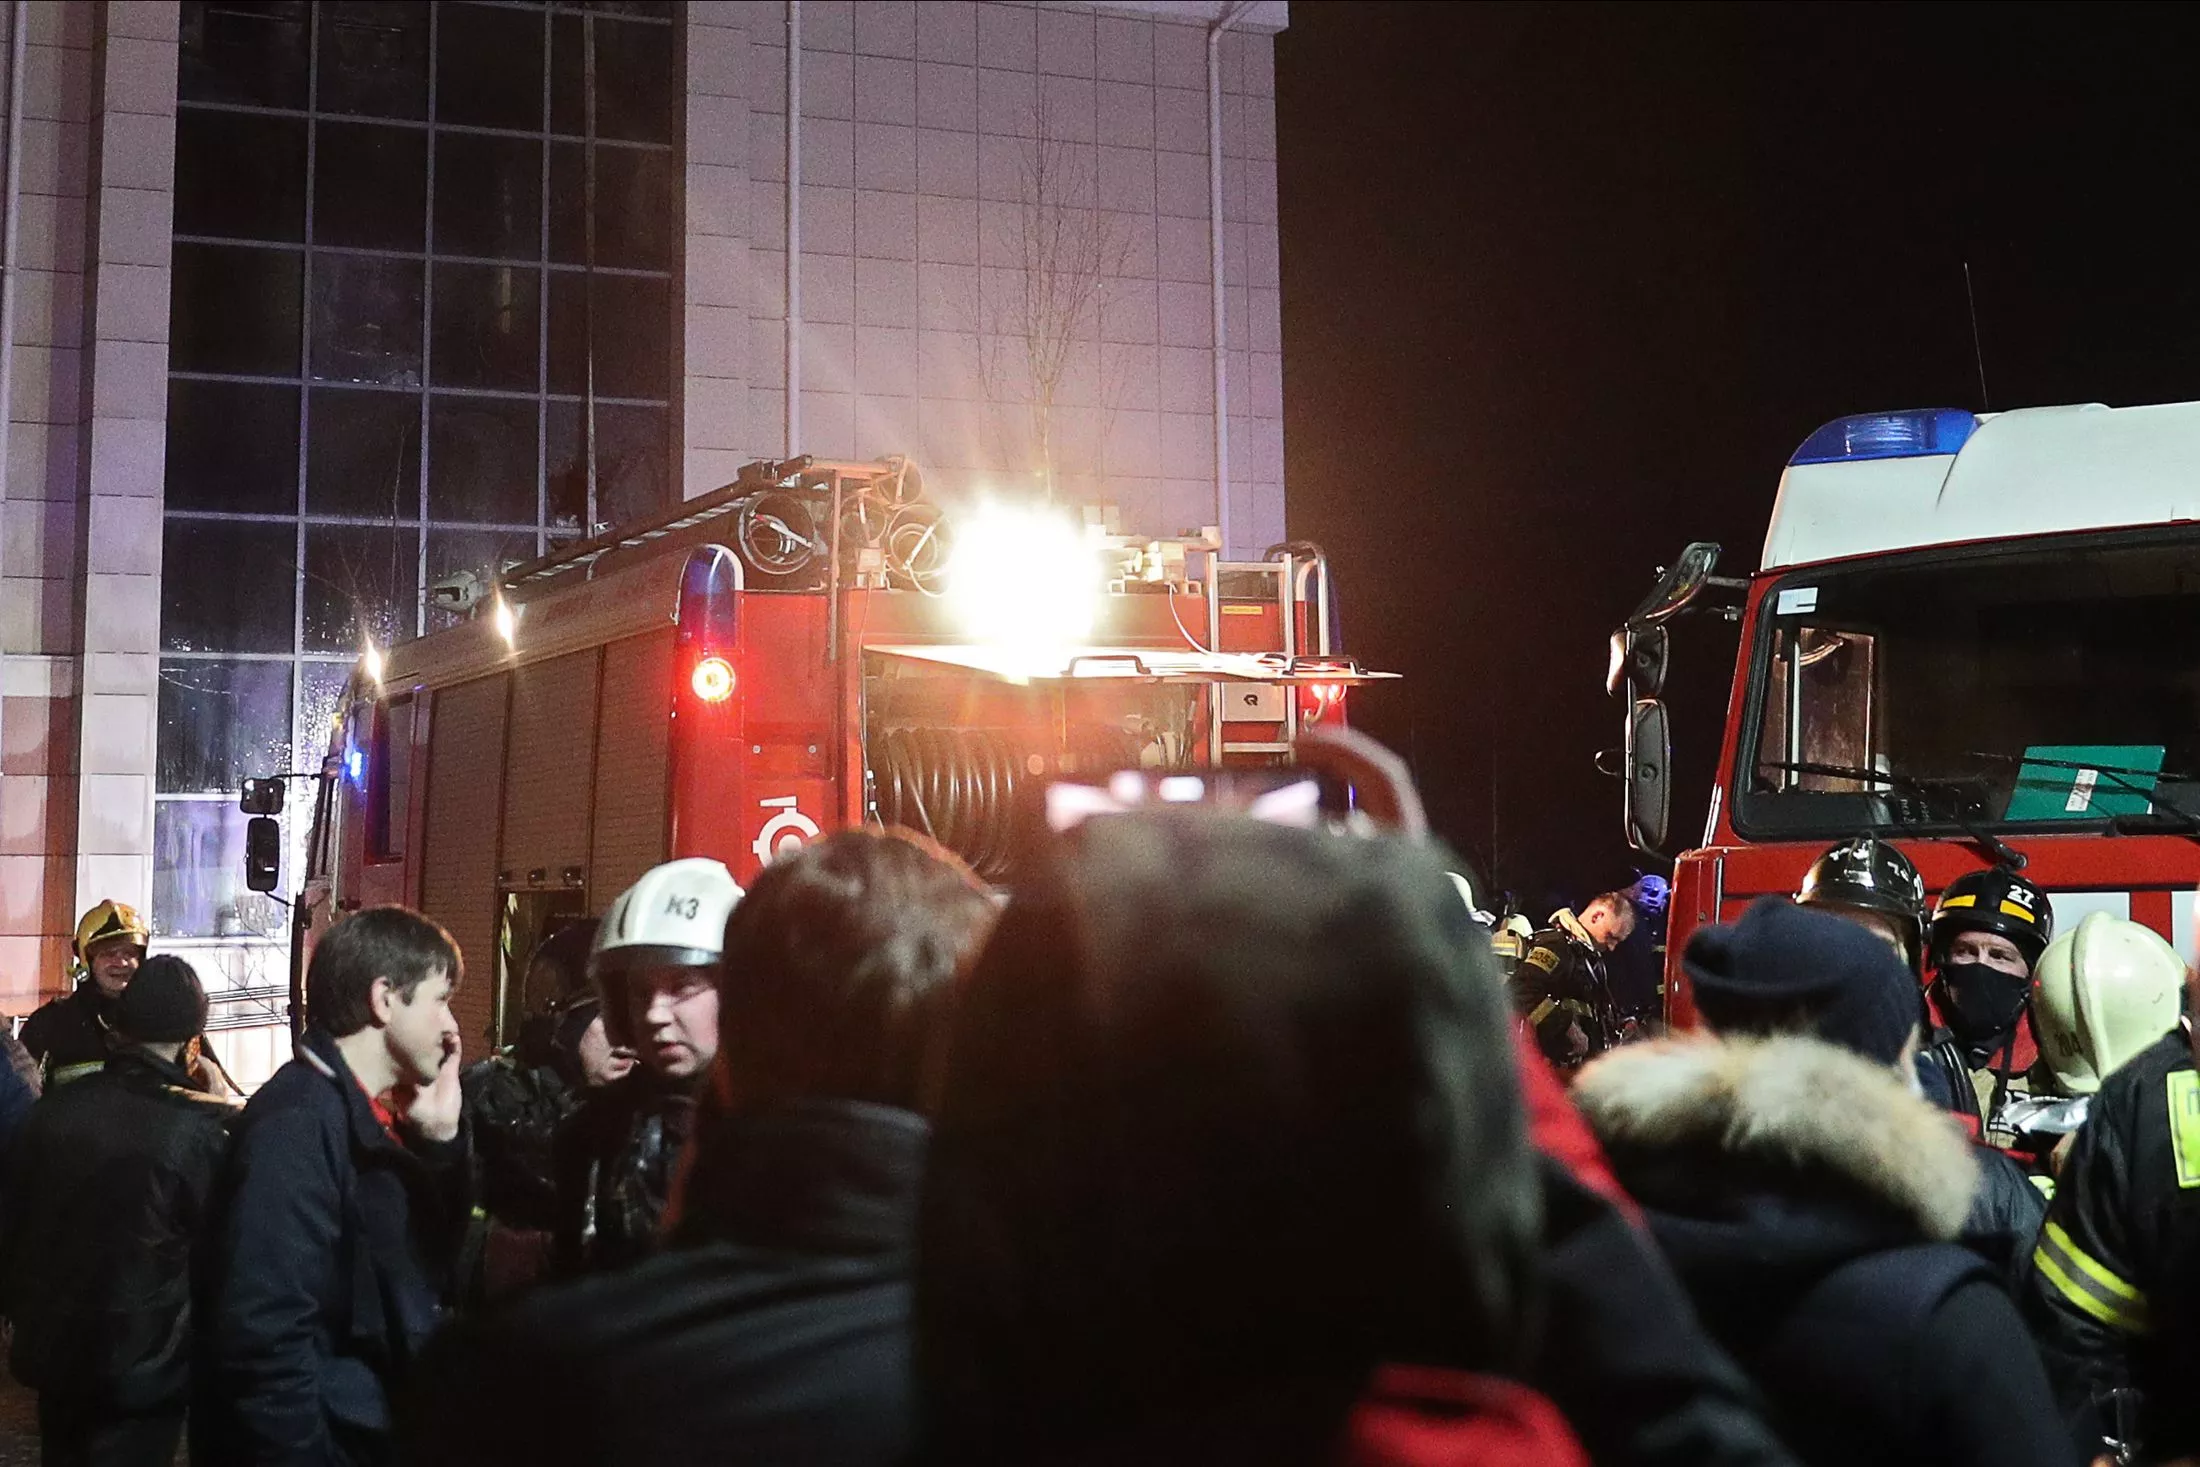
(814, 646)
(1976, 636)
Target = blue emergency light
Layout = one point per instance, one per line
(1915, 433)
(355, 765)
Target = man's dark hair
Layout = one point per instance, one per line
(396, 943)
(836, 964)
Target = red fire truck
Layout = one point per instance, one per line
(1975, 636)
(786, 656)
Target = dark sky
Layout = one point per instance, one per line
(1564, 286)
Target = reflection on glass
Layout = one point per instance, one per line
(234, 310)
(632, 102)
(240, 176)
(370, 186)
(198, 873)
(232, 446)
(374, 57)
(366, 320)
(630, 463)
(226, 587)
(242, 53)
(364, 454)
(633, 207)
(481, 457)
(488, 196)
(320, 694)
(489, 66)
(219, 723)
(627, 334)
(360, 585)
(486, 332)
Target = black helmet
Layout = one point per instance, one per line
(1873, 876)
(1997, 901)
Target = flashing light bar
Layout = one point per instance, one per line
(1916, 433)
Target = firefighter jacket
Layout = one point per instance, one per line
(614, 1161)
(2116, 1274)
(1562, 982)
(71, 1036)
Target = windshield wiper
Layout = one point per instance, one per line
(1935, 797)
(2157, 816)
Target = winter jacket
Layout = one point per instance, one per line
(1622, 1352)
(71, 1036)
(20, 1086)
(1562, 982)
(2115, 1281)
(1808, 1202)
(614, 1158)
(113, 1176)
(2006, 1213)
(515, 1111)
(774, 1329)
(327, 1269)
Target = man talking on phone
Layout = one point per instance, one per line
(341, 1210)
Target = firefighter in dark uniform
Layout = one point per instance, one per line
(1988, 931)
(1562, 988)
(72, 1036)
(2113, 1296)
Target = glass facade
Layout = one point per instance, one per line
(418, 248)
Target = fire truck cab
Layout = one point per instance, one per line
(1974, 636)
(795, 653)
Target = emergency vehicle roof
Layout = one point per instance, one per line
(2031, 471)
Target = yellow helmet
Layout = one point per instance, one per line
(107, 920)
(2103, 992)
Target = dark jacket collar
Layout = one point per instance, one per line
(819, 1176)
(143, 1066)
(317, 1050)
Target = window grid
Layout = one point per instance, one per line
(309, 666)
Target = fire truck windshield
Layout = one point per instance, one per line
(2056, 684)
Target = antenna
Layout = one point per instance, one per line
(1978, 352)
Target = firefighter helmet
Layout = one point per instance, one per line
(674, 917)
(1871, 876)
(109, 920)
(2105, 990)
(1997, 901)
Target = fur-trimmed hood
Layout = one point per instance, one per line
(1703, 1127)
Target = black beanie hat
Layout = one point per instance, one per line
(164, 1004)
(1789, 969)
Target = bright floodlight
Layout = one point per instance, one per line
(507, 622)
(1024, 576)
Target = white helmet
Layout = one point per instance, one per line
(674, 917)
(2103, 991)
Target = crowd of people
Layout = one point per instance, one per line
(1217, 1140)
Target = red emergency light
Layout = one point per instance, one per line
(712, 680)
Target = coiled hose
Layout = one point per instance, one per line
(960, 785)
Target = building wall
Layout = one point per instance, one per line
(921, 127)
(79, 525)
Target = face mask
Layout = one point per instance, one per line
(1981, 1004)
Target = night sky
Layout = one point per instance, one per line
(1564, 286)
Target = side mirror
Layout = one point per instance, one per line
(262, 797)
(1649, 781)
(1639, 658)
(263, 853)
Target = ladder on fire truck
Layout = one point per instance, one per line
(1287, 575)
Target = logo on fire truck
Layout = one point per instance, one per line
(789, 830)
